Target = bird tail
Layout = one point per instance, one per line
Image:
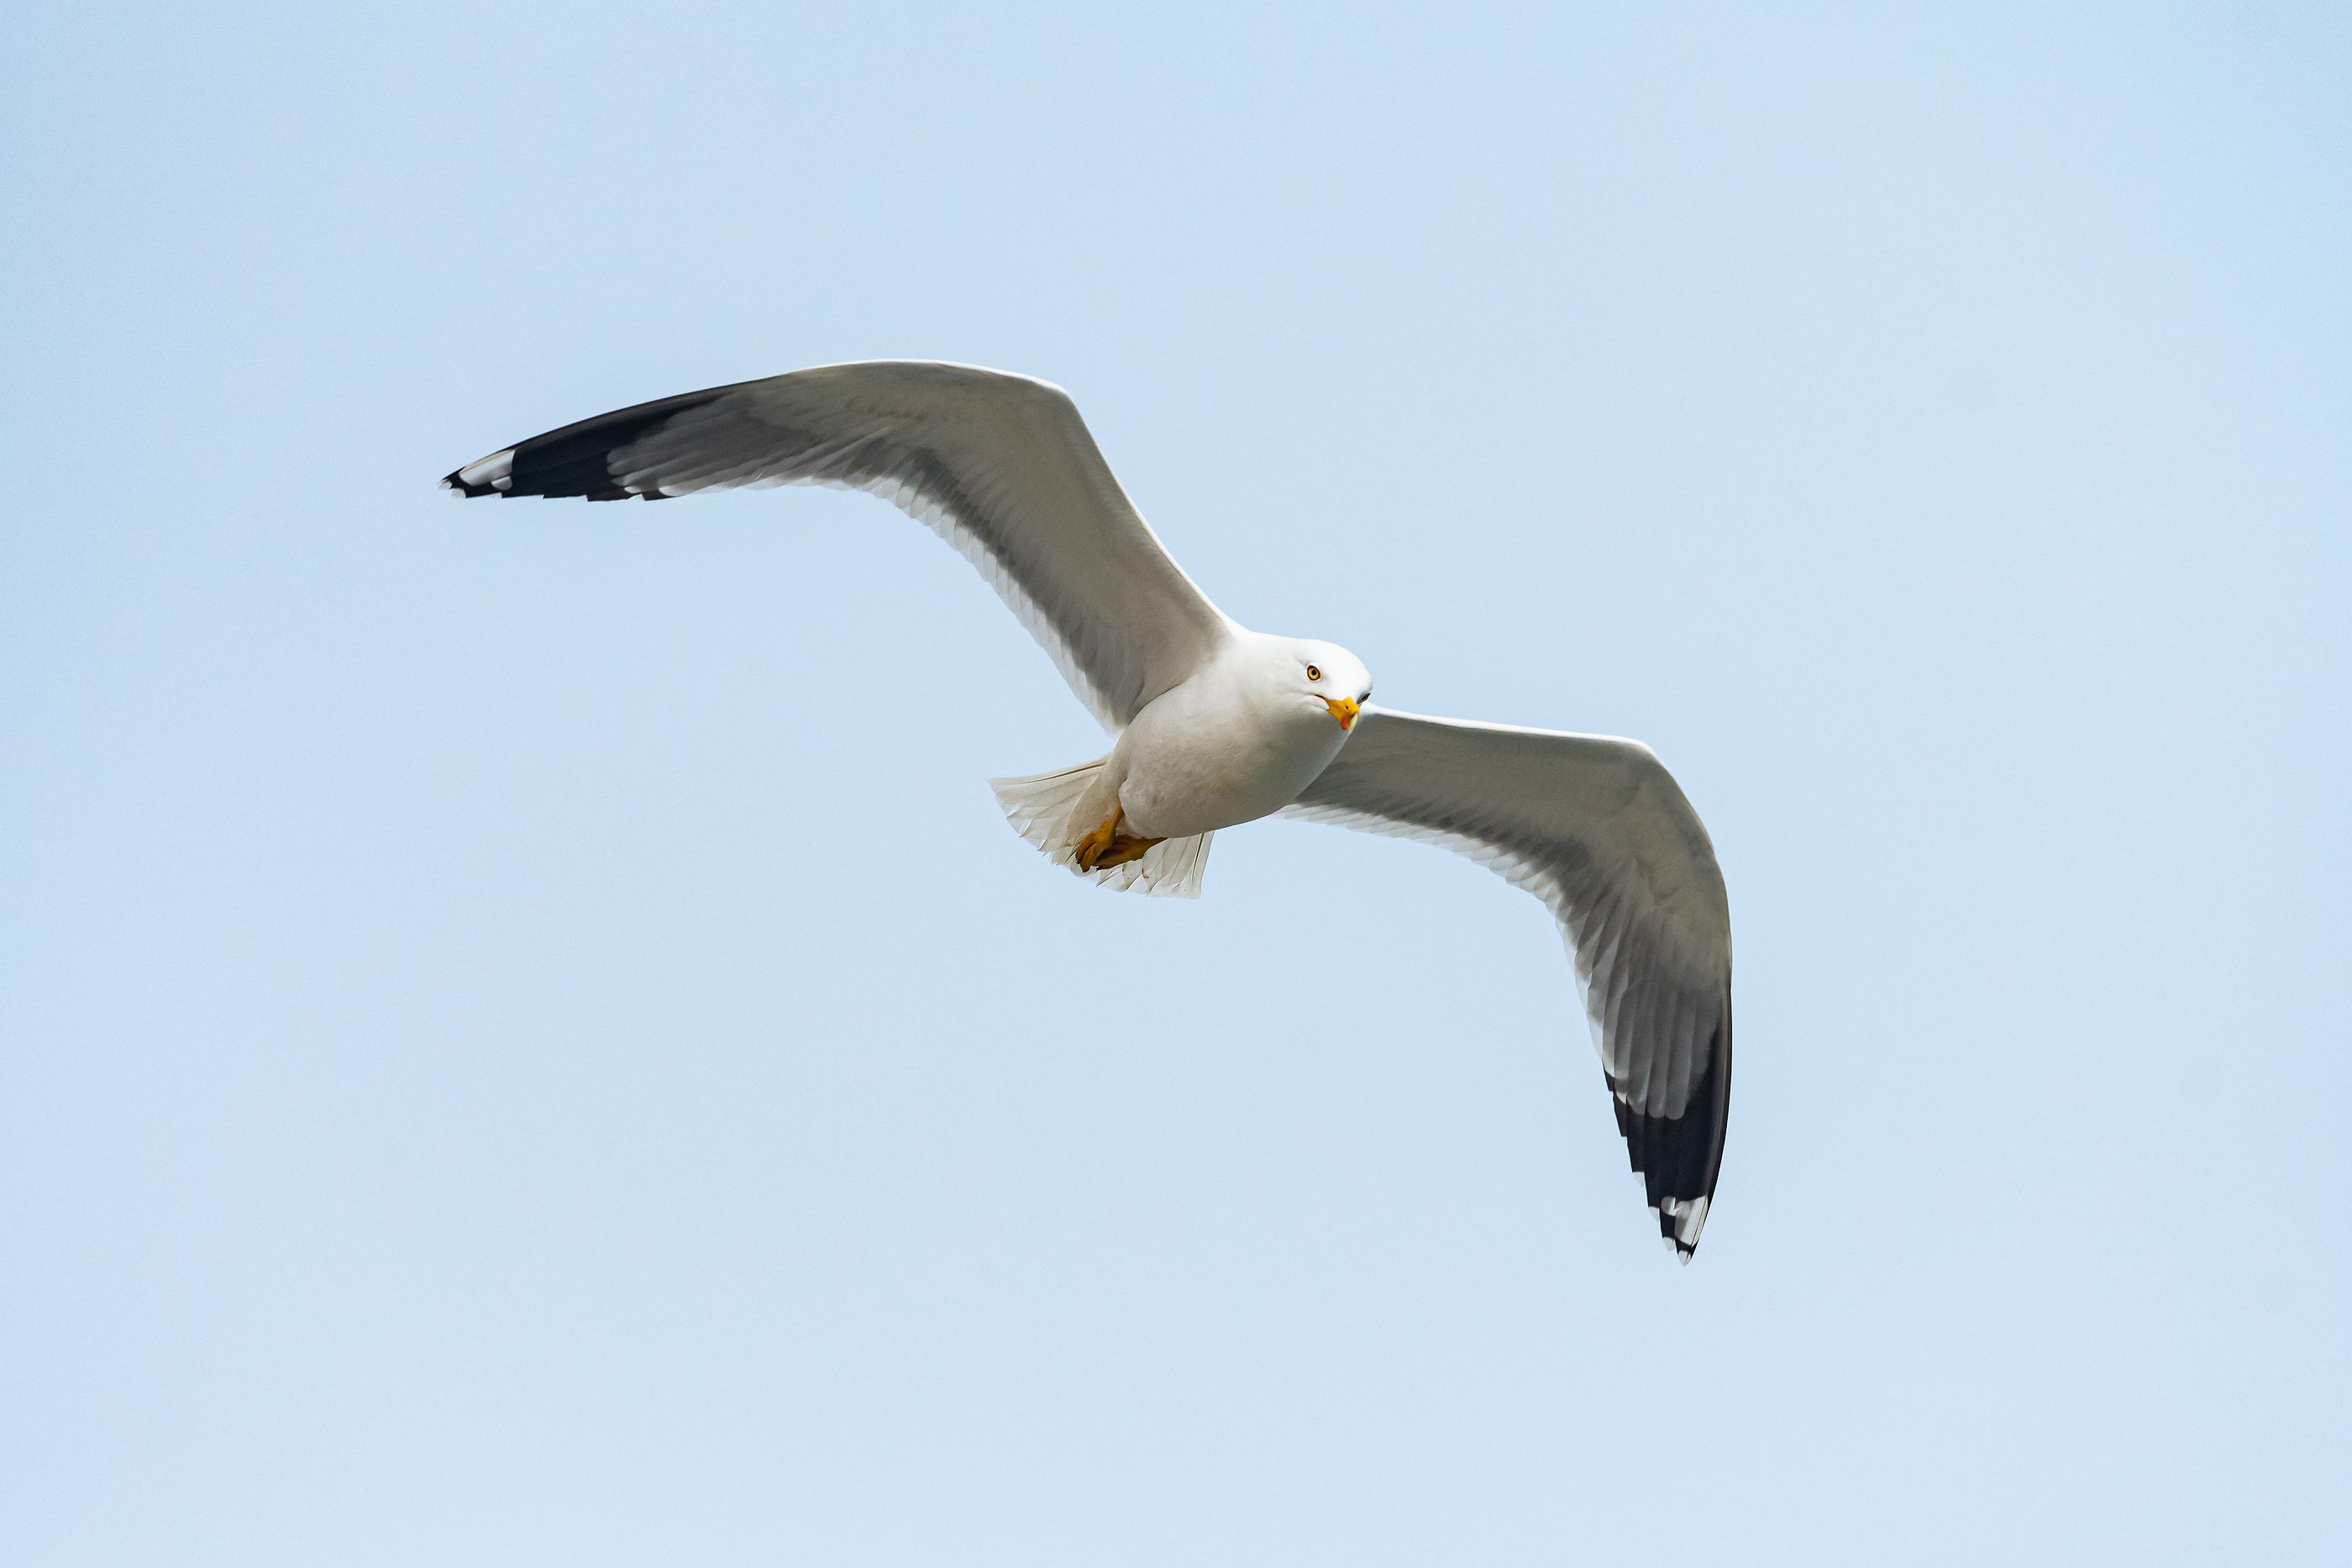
(1055, 810)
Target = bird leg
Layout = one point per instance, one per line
(1107, 846)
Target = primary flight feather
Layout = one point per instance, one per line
(1213, 724)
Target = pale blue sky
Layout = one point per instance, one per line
(527, 1040)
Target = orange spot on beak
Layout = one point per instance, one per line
(1344, 709)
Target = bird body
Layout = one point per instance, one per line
(1240, 739)
(1214, 725)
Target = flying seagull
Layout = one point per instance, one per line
(1212, 724)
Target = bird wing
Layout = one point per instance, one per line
(999, 466)
(1597, 829)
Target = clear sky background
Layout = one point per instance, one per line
(528, 1041)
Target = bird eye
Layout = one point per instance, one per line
(1313, 674)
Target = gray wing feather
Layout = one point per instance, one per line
(1597, 829)
(999, 466)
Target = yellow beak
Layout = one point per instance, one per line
(1344, 709)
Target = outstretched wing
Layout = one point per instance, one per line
(999, 466)
(1597, 829)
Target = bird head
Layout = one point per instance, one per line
(1334, 680)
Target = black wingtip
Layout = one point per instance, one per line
(1678, 1158)
(576, 462)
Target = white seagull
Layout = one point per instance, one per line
(1212, 724)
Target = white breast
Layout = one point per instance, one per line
(1236, 742)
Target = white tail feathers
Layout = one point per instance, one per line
(1052, 811)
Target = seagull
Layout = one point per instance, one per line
(1212, 724)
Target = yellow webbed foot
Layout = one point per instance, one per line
(1098, 844)
(1124, 848)
(1107, 846)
